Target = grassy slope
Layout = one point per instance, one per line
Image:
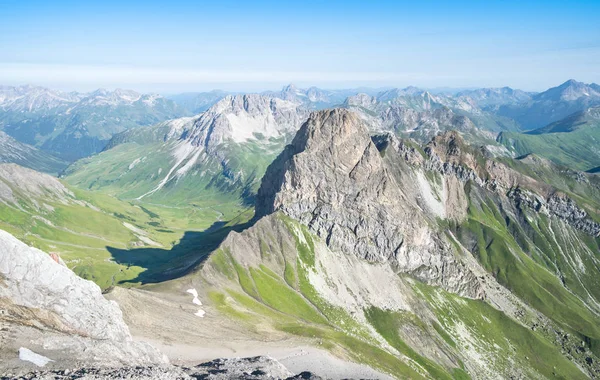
(179, 215)
(475, 324)
(525, 255)
(130, 170)
(577, 149)
(277, 292)
(282, 297)
(89, 233)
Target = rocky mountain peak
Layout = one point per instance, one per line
(446, 144)
(571, 90)
(336, 127)
(290, 88)
(292, 93)
(242, 117)
(335, 138)
(333, 179)
(360, 100)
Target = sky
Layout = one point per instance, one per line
(177, 46)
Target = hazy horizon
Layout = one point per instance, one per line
(233, 89)
(185, 46)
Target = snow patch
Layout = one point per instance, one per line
(195, 294)
(196, 301)
(27, 355)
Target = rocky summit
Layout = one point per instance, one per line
(334, 179)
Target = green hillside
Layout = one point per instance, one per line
(153, 172)
(273, 287)
(573, 142)
(108, 240)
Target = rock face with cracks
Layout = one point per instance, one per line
(333, 178)
(45, 307)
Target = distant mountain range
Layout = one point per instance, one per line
(75, 125)
(552, 105)
(418, 115)
(311, 98)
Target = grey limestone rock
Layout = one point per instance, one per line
(45, 307)
(333, 179)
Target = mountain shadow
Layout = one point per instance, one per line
(167, 264)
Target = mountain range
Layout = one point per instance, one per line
(223, 151)
(553, 104)
(241, 157)
(75, 125)
(394, 233)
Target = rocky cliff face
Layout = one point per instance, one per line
(448, 154)
(372, 197)
(242, 117)
(49, 310)
(333, 179)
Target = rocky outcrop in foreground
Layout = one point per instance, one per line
(56, 325)
(254, 368)
(50, 315)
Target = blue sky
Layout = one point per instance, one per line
(172, 46)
